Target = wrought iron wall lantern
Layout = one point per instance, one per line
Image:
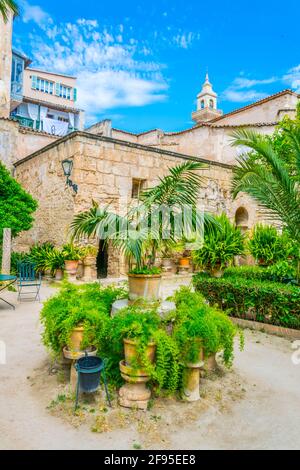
(68, 167)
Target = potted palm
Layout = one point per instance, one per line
(135, 234)
(219, 247)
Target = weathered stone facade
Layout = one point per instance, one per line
(104, 169)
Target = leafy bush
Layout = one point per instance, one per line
(195, 320)
(267, 246)
(16, 205)
(38, 255)
(145, 326)
(263, 301)
(220, 245)
(282, 271)
(88, 304)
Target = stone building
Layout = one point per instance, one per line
(110, 165)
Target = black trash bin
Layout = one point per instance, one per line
(89, 370)
(89, 373)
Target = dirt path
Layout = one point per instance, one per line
(255, 406)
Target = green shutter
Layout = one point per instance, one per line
(57, 89)
(34, 82)
(75, 94)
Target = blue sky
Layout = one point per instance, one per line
(142, 63)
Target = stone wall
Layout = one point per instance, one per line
(16, 142)
(104, 169)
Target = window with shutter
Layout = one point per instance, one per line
(75, 94)
(34, 82)
(57, 89)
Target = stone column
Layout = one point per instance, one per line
(6, 251)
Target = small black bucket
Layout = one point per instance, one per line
(89, 373)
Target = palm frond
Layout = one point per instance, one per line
(5, 6)
(267, 180)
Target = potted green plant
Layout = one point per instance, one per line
(219, 248)
(267, 246)
(72, 254)
(55, 262)
(89, 262)
(198, 324)
(136, 236)
(78, 317)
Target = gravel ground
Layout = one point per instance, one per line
(254, 406)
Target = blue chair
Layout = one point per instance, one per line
(27, 277)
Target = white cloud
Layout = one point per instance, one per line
(241, 96)
(110, 65)
(292, 78)
(35, 13)
(244, 90)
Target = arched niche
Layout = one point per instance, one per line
(242, 219)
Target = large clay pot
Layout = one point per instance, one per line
(144, 286)
(76, 338)
(131, 353)
(71, 266)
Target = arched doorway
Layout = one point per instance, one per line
(102, 260)
(242, 219)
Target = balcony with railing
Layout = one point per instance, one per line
(38, 125)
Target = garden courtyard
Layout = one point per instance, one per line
(255, 405)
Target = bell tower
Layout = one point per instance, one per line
(5, 63)
(207, 101)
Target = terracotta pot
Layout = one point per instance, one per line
(76, 338)
(131, 353)
(59, 274)
(71, 266)
(144, 286)
(184, 262)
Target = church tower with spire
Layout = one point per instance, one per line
(207, 101)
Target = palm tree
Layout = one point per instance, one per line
(264, 175)
(5, 6)
(130, 234)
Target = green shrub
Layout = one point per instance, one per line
(267, 246)
(263, 301)
(282, 271)
(220, 245)
(88, 304)
(195, 319)
(144, 326)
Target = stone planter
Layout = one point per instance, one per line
(131, 353)
(134, 394)
(89, 265)
(210, 363)
(144, 286)
(191, 376)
